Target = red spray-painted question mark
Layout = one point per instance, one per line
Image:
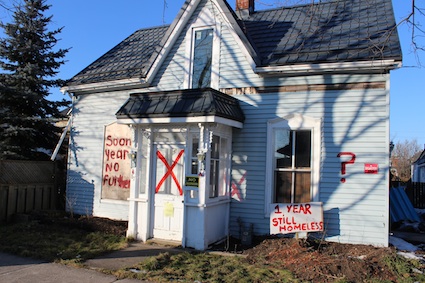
(344, 163)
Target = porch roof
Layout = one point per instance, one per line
(185, 103)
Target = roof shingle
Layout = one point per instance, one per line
(181, 103)
(327, 32)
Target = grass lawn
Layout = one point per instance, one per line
(66, 240)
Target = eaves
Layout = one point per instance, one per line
(337, 67)
(106, 86)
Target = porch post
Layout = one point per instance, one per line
(132, 211)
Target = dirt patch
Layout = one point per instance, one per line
(309, 260)
(319, 261)
(87, 223)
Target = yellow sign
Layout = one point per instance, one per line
(168, 209)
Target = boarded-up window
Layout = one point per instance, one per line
(116, 162)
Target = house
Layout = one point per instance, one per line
(215, 124)
(418, 169)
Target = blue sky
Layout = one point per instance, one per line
(92, 27)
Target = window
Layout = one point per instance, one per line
(292, 166)
(218, 165)
(194, 157)
(202, 58)
(293, 160)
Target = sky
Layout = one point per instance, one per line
(93, 27)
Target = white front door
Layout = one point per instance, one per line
(168, 192)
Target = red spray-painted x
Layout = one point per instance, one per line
(235, 187)
(169, 171)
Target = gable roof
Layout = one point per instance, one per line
(128, 59)
(420, 159)
(328, 32)
(335, 31)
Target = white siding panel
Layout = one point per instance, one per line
(172, 72)
(353, 121)
(90, 115)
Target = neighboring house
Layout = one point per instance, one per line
(418, 169)
(192, 130)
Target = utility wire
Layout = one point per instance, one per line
(163, 11)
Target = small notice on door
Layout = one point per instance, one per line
(168, 209)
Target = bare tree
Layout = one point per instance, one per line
(403, 155)
(413, 20)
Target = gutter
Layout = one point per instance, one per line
(106, 86)
(330, 67)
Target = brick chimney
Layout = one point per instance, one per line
(244, 8)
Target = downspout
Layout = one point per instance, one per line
(65, 130)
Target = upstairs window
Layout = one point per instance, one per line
(202, 58)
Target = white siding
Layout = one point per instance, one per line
(352, 120)
(90, 115)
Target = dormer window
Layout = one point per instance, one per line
(202, 57)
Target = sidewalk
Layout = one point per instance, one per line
(15, 269)
(133, 254)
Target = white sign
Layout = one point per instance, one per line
(116, 162)
(296, 217)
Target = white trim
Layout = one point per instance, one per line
(113, 201)
(135, 82)
(205, 20)
(387, 171)
(167, 120)
(215, 60)
(330, 67)
(242, 45)
(294, 122)
(181, 23)
(178, 26)
(215, 56)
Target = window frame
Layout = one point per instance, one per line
(203, 23)
(293, 122)
(224, 161)
(222, 185)
(292, 168)
(192, 56)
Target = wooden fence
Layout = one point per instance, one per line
(26, 186)
(416, 194)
